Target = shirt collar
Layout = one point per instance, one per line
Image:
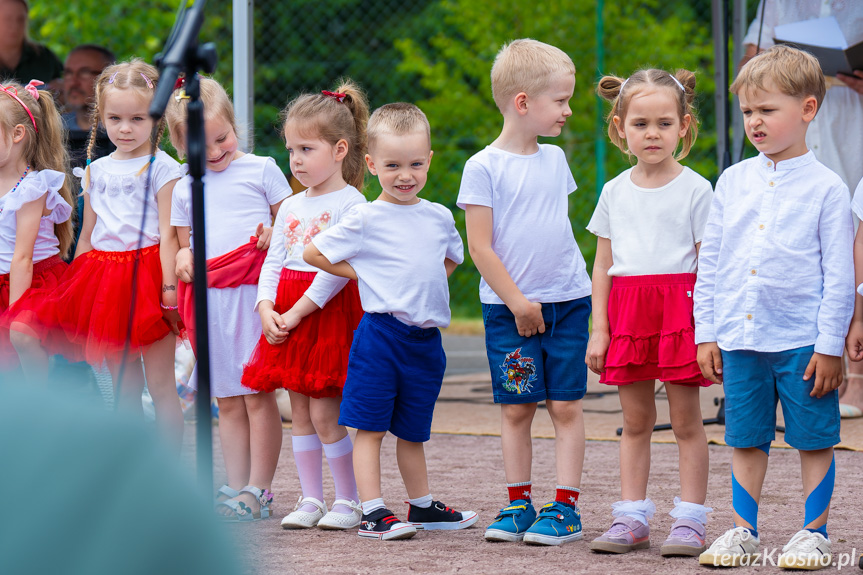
(789, 164)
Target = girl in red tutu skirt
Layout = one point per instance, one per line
(309, 316)
(87, 316)
(649, 221)
(35, 205)
(242, 194)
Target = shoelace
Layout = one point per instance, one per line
(445, 509)
(727, 539)
(803, 543)
(390, 519)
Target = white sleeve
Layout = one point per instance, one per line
(700, 209)
(600, 224)
(180, 212)
(771, 18)
(454, 244)
(165, 170)
(708, 259)
(857, 201)
(343, 240)
(268, 282)
(475, 188)
(274, 183)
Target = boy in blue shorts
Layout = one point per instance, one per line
(401, 249)
(535, 290)
(773, 300)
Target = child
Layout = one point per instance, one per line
(774, 296)
(93, 303)
(308, 319)
(535, 307)
(648, 224)
(36, 205)
(242, 192)
(400, 249)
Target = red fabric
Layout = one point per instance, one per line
(92, 305)
(241, 266)
(314, 358)
(567, 496)
(652, 331)
(47, 275)
(519, 492)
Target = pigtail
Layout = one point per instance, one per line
(354, 165)
(155, 139)
(609, 89)
(91, 143)
(687, 80)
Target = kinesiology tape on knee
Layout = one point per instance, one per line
(818, 501)
(743, 503)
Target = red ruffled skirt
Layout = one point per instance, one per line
(92, 306)
(46, 275)
(652, 331)
(314, 358)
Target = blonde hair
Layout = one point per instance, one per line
(796, 73)
(43, 150)
(326, 118)
(527, 66)
(132, 75)
(217, 104)
(619, 91)
(397, 119)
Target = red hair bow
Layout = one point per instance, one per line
(334, 95)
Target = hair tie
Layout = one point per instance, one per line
(31, 88)
(13, 93)
(676, 81)
(181, 81)
(114, 75)
(334, 95)
(146, 79)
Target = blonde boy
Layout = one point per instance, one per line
(535, 288)
(400, 249)
(774, 297)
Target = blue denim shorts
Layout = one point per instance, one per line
(394, 377)
(549, 365)
(756, 381)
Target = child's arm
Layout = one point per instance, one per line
(28, 218)
(854, 340)
(709, 356)
(265, 233)
(313, 256)
(168, 248)
(450, 266)
(528, 314)
(185, 257)
(600, 337)
(87, 224)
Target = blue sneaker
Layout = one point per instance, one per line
(512, 522)
(557, 523)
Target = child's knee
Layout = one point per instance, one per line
(23, 342)
(564, 412)
(518, 414)
(639, 423)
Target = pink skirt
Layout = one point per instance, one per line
(652, 331)
(313, 360)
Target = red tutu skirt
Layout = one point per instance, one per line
(652, 331)
(313, 360)
(46, 275)
(92, 303)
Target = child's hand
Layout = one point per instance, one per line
(264, 237)
(828, 374)
(528, 319)
(597, 348)
(273, 326)
(291, 319)
(710, 361)
(185, 265)
(173, 318)
(854, 341)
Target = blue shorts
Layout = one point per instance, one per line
(394, 376)
(755, 381)
(547, 365)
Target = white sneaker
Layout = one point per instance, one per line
(733, 548)
(334, 520)
(297, 519)
(806, 550)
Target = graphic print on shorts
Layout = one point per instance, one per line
(519, 372)
(296, 232)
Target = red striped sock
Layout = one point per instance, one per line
(519, 491)
(567, 495)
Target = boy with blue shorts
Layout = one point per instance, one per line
(773, 300)
(401, 250)
(535, 289)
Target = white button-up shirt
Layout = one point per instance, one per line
(775, 270)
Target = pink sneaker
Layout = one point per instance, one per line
(685, 540)
(625, 534)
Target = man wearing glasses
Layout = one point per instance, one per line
(82, 66)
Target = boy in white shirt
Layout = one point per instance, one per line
(773, 301)
(401, 249)
(535, 289)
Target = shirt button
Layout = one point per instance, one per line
(749, 316)
(769, 164)
(771, 184)
(761, 227)
(753, 272)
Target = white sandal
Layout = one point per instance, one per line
(297, 519)
(334, 520)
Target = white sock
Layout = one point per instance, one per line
(373, 505)
(424, 502)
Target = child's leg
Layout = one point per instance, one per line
(265, 443)
(515, 422)
(412, 466)
(639, 417)
(686, 422)
(748, 468)
(818, 469)
(162, 384)
(33, 357)
(129, 387)
(337, 447)
(234, 436)
(308, 452)
(568, 421)
(367, 464)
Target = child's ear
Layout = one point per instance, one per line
(618, 123)
(341, 149)
(431, 153)
(810, 108)
(520, 102)
(18, 134)
(684, 125)
(371, 164)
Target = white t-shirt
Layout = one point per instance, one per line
(532, 234)
(31, 188)
(236, 200)
(653, 230)
(398, 253)
(857, 208)
(117, 195)
(300, 219)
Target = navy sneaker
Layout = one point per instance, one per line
(557, 523)
(382, 524)
(439, 516)
(512, 522)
